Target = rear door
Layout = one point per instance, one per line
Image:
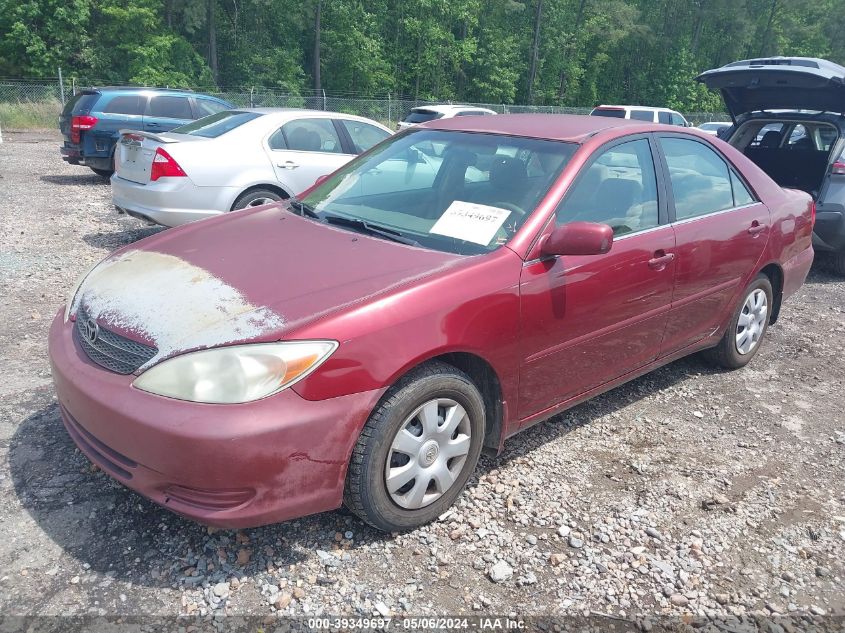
(304, 149)
(165, 112)
(721, 231)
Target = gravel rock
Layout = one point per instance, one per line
(500, 572)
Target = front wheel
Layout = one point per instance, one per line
(745, 332)
(837, 263)
(417, 450)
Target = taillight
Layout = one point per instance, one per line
(165, 167)
(838, 168)
(79, 123)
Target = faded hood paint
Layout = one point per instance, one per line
(251, 277)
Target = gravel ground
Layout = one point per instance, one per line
(687, 491)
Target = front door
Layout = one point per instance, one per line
(587, 320)
(721, 231)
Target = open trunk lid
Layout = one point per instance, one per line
(136, 151)
(779, 83)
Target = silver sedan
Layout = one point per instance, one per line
(233, 160)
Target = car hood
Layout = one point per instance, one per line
(788, 83)
(254, 276)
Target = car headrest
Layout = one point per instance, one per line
(770, 139)
(507, 172)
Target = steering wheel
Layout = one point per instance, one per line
(511, 207)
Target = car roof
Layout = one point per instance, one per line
(304, 112)
(638, 107)
(574, 128)
(450, 107)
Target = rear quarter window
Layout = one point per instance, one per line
(615, 114)
(79, 103)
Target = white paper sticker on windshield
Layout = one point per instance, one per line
(469, 221)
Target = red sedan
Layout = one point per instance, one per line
(456, 284)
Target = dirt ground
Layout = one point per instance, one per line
(687, 491)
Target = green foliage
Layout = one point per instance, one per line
(587, 52)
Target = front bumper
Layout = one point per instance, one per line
(169, 202)
(231, 466)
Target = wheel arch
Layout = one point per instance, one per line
(775, 274)
(486, 380)
(262, 185)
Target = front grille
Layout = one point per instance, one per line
(111, 350)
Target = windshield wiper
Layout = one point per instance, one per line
(302, 209)
(370, 229)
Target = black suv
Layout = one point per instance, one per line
(789, 118)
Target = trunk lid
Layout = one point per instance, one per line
(136, 150)
(778, 83)
(80, 104)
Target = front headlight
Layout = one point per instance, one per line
(76, 286)
(239, 373)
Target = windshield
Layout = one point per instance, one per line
(216, 124)
(421, 116)
(459, 192)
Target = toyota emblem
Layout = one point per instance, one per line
(92, 330)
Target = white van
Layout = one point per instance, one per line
(642, 113)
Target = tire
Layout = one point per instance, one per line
(102, 173)
(735, 350)
(439, 466)
(837, 263)
(255, 198)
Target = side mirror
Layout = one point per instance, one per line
(578, 238)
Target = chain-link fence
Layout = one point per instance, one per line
(48, 95)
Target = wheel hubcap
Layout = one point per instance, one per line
(427, 454)
(752, 321)
(259, 201)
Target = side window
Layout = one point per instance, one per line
(170, 108)
(642, 115)
(312, 135)
(665, 117)
(699, 177)
(677, 119)
(126, 104)
(768, 136)
(619, 188)
(207, 107)
(741, 194)
(277, 140)
(363, 135)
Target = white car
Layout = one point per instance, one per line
(430, 113)
(642, 113)
(712, 127)
(232, 160)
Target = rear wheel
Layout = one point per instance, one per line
(747, 327)
(103, 173)
(256, 198)
(417, 450)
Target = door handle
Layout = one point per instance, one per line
(756, 228)
(152, 124)
(288, 164)
(660, 260)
